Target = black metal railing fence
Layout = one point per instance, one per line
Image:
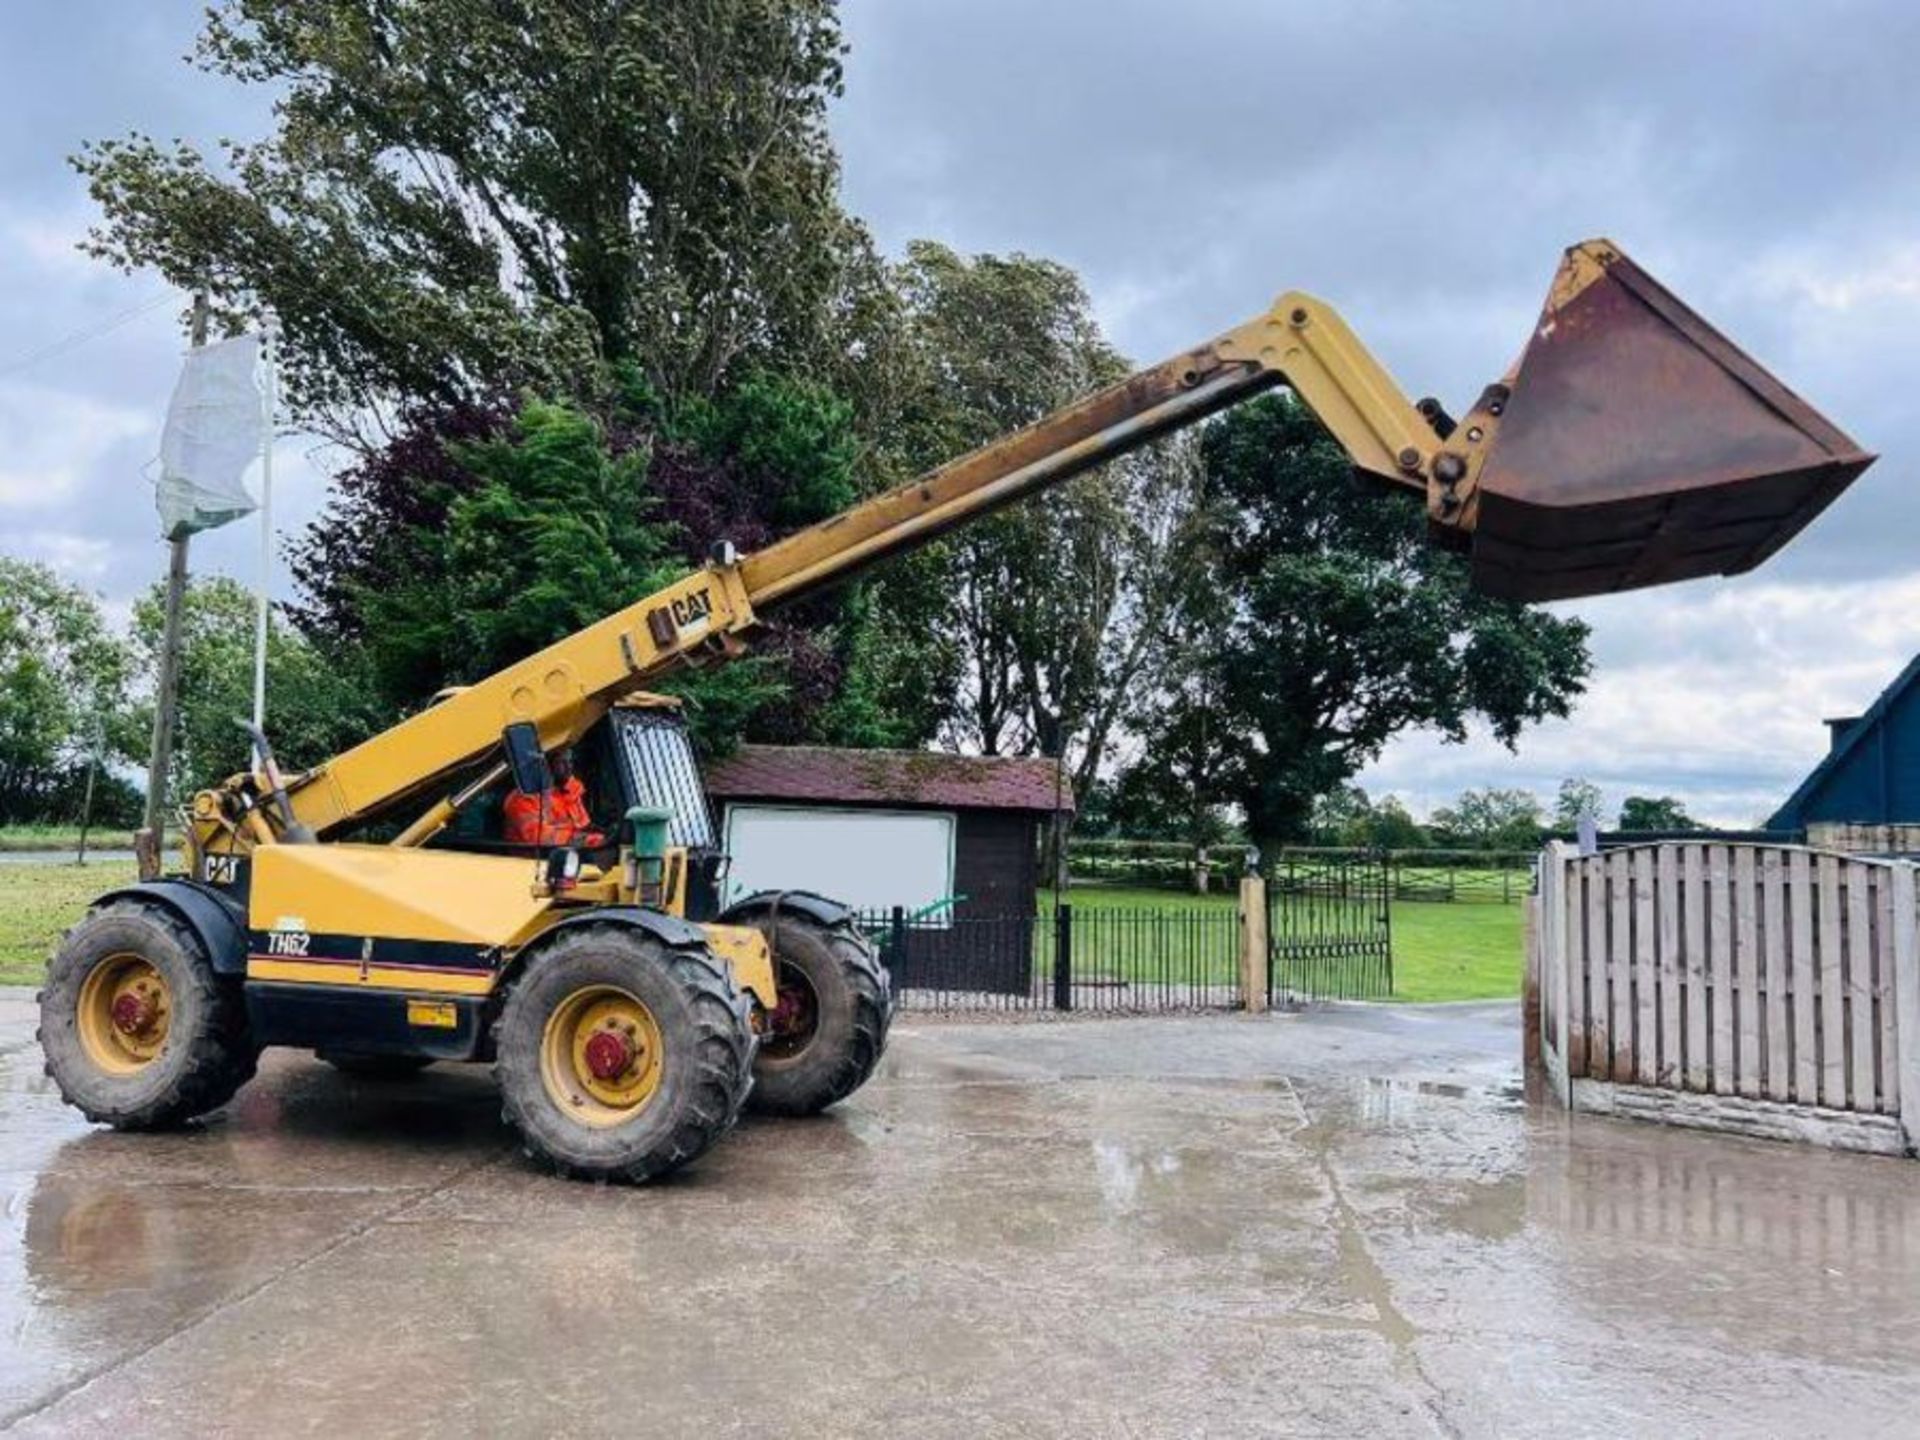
(1067, 958)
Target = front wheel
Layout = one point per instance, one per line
(138, 1031)
(620, 1057)
(825, 1037)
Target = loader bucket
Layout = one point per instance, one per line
(1637, 445)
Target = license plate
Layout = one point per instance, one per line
(434, 1014)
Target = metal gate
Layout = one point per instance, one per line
(1329, 929)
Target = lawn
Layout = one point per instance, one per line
(37, 902)
(1440, 951)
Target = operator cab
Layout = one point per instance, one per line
(641, 754)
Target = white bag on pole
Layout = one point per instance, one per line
(215, 429)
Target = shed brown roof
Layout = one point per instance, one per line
(890, 777)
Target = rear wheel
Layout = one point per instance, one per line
(621, 1057)
(138, 1031)
(826, 1035)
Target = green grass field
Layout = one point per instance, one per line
(37, 902)
(1440, 951)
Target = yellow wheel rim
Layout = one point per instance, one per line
(600, 1055)
(126, 1008)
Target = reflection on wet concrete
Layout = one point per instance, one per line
(1344, 1223)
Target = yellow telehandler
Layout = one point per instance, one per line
(372, 909)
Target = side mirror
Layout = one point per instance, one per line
(563, 869)
(526, 759)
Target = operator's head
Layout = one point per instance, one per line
(560, 763)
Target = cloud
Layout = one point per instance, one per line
(54, 440)
(1191, 162)
(1720, 700)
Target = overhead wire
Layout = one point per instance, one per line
(76, 338)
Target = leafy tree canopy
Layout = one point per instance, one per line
(483, 533)
(316, 706)
(1347, 816)
(461, 194)
(1574, 799)
(1337, 626)
(1491, 819)
(1642, 812)
(63, 692)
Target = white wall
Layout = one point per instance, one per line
(869, 859)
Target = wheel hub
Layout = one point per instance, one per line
(133, 1014)
(601, 1055)
(609, 1054)
(795, 1017)
(125, 1011)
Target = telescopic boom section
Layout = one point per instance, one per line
(1645, 447)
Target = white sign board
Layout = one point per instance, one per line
(869, 859)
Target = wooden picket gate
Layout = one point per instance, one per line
(1762, 989)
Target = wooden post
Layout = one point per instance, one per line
(1253, 943)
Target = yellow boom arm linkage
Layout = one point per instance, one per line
(1649, 449)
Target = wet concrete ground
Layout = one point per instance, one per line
(1335, 1224)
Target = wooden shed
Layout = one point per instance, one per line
(948, 837)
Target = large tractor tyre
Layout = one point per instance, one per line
(366, 1065)
(826, 1035)
(620, 1057)
(138, 1030)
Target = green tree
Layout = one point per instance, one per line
(1335, 625)
(481, 535)
(1641, 812)
(1574, 799)
(63, 693)
(460, 194)
(1340, 816)
(1492, 819)
(1347, 816)
(1058, 624)
(316, 707)
(1169, 792)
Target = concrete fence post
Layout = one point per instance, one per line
(1906, 1002)
(1532, 1063)
(1253, 943)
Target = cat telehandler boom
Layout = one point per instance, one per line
(368, 908)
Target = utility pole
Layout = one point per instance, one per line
(147, 843)
(269, 398)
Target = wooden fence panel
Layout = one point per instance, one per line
(1599, 973)
(1746, 973)
(1694, 972)
(1801, 962)
(1773, 940)
(1720, 987)
(1859, 989)
(1646, 1019)
(1833, 1006)
(1770, 976)
(1619, 961)
(1574, 918)
(1667, 909)
(1886, 1049)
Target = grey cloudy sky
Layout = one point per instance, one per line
(1420, 166)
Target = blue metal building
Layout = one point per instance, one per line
(1871, 773)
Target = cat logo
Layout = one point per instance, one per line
(689, 612)
(691, 608)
